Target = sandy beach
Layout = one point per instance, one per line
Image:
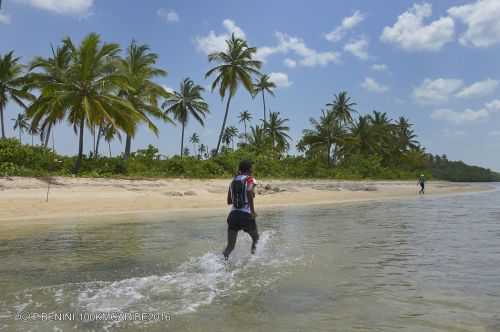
(24, 199)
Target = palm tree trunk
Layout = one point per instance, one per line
(1, 120)
(264, 102)
(109, 145)
(20, 141)
(80, 146)
(182, 140)
(32, 140)
(128, 145)
(99, 135)
(246, 137)
(47, 136)
(223, 124)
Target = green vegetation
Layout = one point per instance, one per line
(92, 86)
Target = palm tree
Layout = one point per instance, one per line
(12, 84)
(277, 130)
(109, 132)
(21, 124)
(258, 140)
(236, 66)
(202, 150)
(245, 117)
(86, 93)
(139, 68)
(405, 135)
(185, 103)
(342, 108)
(262, 85)
(230, 134)
(53, 70)
(326, 133)
(194, 139)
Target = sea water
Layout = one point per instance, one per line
(423, 264)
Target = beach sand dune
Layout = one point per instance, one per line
(24, 199)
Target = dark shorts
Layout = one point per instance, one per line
(239, 220)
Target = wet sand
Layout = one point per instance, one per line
(23, 200)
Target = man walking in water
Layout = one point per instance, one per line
(242, 216)
(421, 182)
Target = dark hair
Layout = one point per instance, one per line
(245, 166)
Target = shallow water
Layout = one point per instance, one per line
(425, 264)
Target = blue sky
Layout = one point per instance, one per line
(435, 62)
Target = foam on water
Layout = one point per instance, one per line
(194, 283)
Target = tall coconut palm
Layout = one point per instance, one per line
(20, 124)
(195, 140)
(236, 65)
(202, 149)
(110, 132)
(86, 93)
(325, 133)
(342, 108)
(245, 117)
(45, 73)
(263, 85)
(230, 134)
(257, 139)
(185, 103)
(12, 84)
(139, 68)
(277, 131)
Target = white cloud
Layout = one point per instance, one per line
(63, 7)
(280, 79)
(483, 22)
(5, 19)
(358, 48)
(479, 89)
(168, 15)
(217, 43)
(308, 56)
(347, 24)
(436, 91)
(459, 117)
(290, 63)
(411, 33)
(493, 106)
(371, 85)
(494, 133)
(379, 67)
(453, 133)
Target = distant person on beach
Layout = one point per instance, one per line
(421, 183)
(242, 216)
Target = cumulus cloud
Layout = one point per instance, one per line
(280, 79)
(213, 42)
(411, 33)
(290, 63)
(379, 67)
(478, 89)
(168, 15)
(308, 57)
(494, 133)
(66, 7)
(483, 22)
(358, 48)
(459, 117)
(4, 19)
(436, 91)
(373, 86)
(348, 23)
(468, 115)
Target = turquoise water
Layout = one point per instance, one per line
(423, 264)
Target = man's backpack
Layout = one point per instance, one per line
(238, 193)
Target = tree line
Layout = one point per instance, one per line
(97, 86)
